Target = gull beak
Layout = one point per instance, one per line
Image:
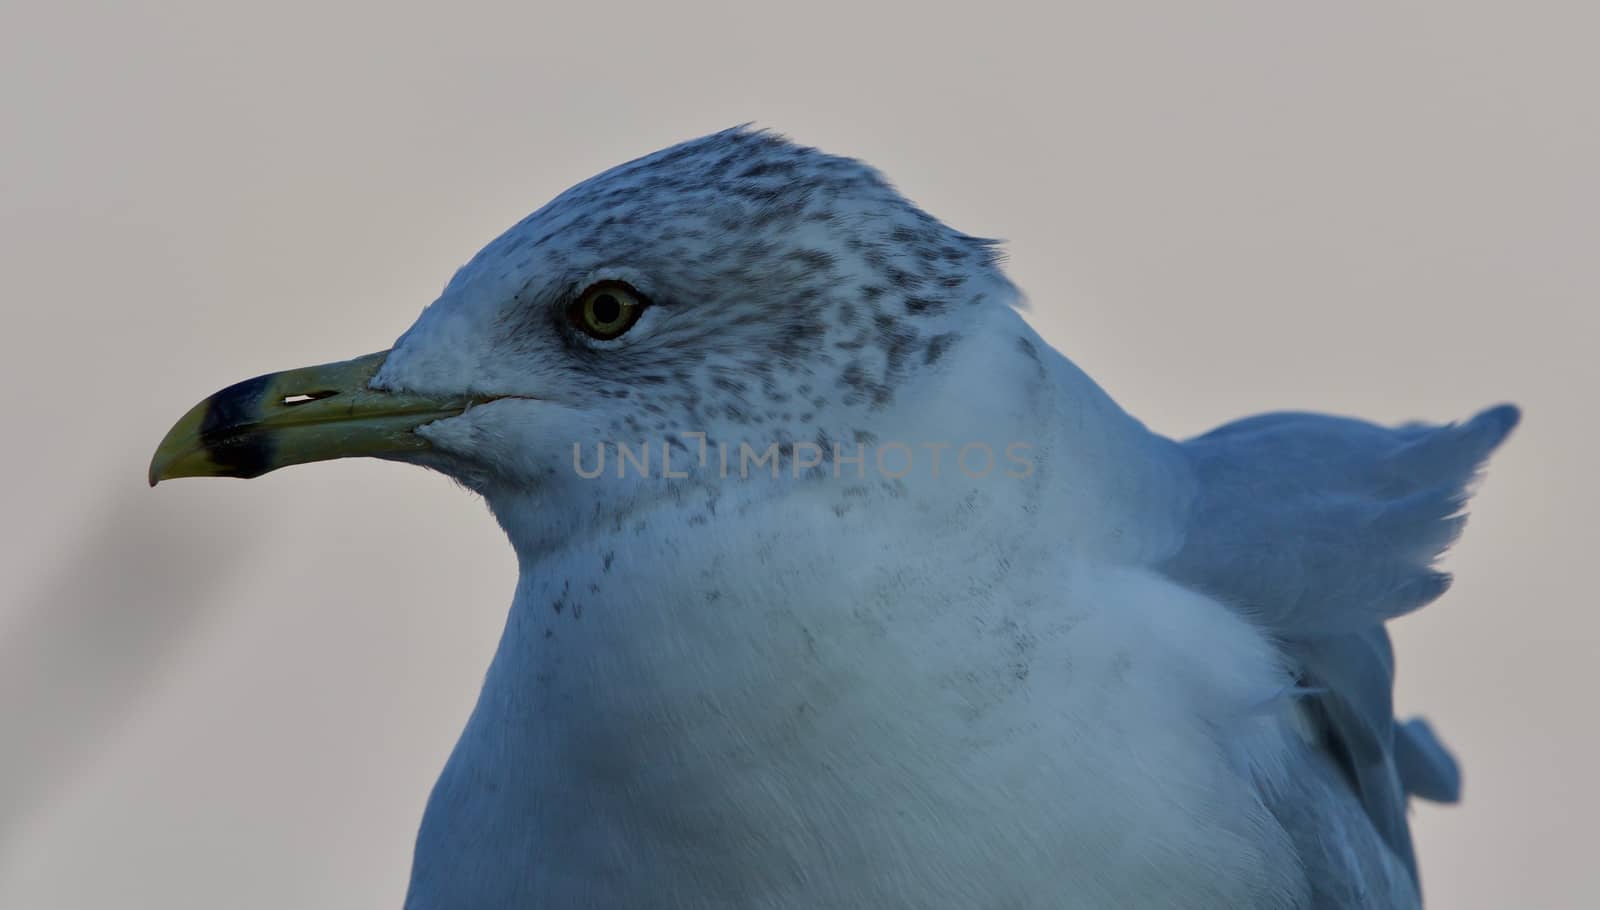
(299, 416)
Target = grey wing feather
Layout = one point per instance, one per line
(1346, 865)
(1426, 766)
(1320, 529)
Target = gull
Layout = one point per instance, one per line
(839, 587)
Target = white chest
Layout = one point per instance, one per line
(962, 720)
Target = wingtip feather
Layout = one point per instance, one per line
(1427, 769)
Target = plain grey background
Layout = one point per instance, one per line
(226, 694)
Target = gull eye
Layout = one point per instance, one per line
(606, 310)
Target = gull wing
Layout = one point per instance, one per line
(1320, 529)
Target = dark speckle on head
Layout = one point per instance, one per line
(936, 347)
(1031, 351)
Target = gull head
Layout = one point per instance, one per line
(737, 289)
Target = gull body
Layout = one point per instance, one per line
(979, 639)
(875, 693)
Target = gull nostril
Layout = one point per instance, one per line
(292, 400)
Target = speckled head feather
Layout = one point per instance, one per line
(791, 293)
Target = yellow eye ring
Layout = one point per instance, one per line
(606, 309)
